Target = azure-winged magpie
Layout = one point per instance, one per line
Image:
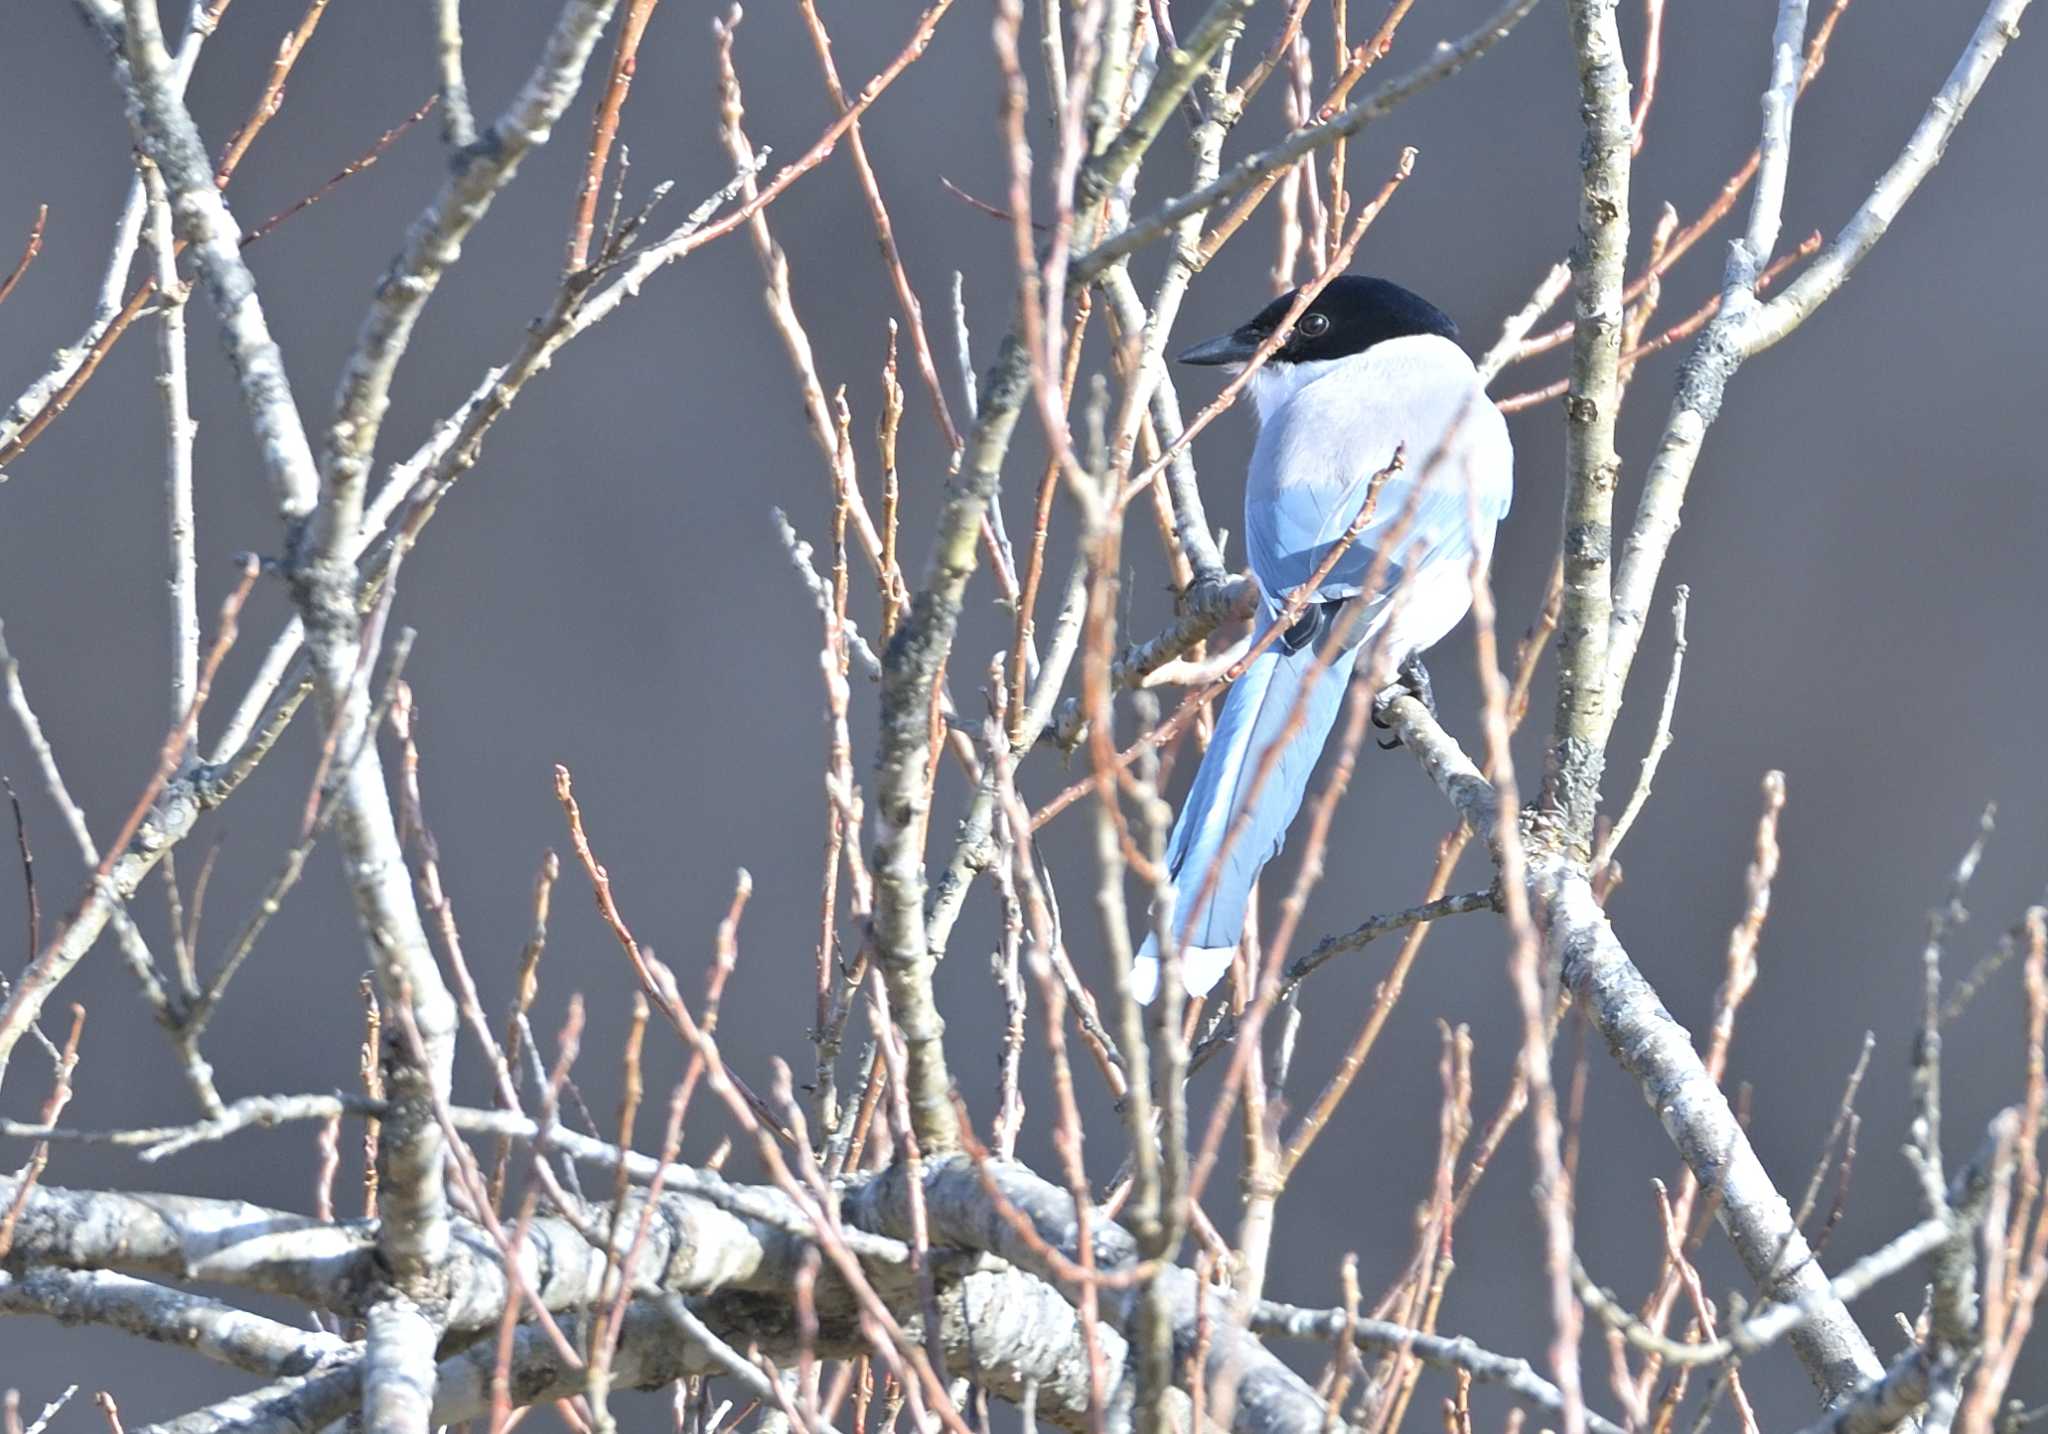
(1369, 369)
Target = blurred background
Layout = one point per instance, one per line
(1863, 543)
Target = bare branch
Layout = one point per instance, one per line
(1517, 1375)
(164, 129)
(29, 250)
(1448, 60)
(1265, 1397)
(458, 125)
(179, 430)
(910, 673)
(1658, 1053)
(1658, 743)
(1744, 329)
(431, 247)
(1577, 754)
(201, 18)
(208, 1327)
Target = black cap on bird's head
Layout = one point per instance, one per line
(1352, 313)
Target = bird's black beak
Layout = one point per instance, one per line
(1235, 347)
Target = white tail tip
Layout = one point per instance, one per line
(1201, 967)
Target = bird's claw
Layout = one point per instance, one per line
(1413, 678)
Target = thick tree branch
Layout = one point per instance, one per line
(1004, 1326)
(911, 669)
(1658, 1053)
(208, 1327)
(1003, 1329)
(1571, 794)
(414, 1234)
(165, 131)
(1831, 268)
(1962, 1211)
(693, 1247)
(1264, 1396)
(398, 1373)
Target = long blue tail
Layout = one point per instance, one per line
(1254, 716)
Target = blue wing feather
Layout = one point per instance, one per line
(1255, 715)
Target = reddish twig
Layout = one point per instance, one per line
(885, 232)
(604, 128)
(1684, 329)
(28, 253)
(1068, 1136)
(470, 1180)
(1702, 1307)
(272, 99)
(61, 399)
(348, 171)
(654, 979)
(1739, 979)
(1717, 210)
(1389, 993)
(1066, 1270)
(266, 109)
(920, 37)
(59, 1097)
(764, 1126)
(1034, 562)
(524, 992)
(1362, 59)
(671, 1145)
(1652, 62)
(2016, 1270)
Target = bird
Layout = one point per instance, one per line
(1369, 371)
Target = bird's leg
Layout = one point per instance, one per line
(1415, 677)
(1411, 678)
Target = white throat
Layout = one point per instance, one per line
(1390, 365)
(1275, 383)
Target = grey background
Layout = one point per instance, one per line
(1863, 544)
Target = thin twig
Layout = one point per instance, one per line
(33, 247)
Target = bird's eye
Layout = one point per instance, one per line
(1313, 326)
